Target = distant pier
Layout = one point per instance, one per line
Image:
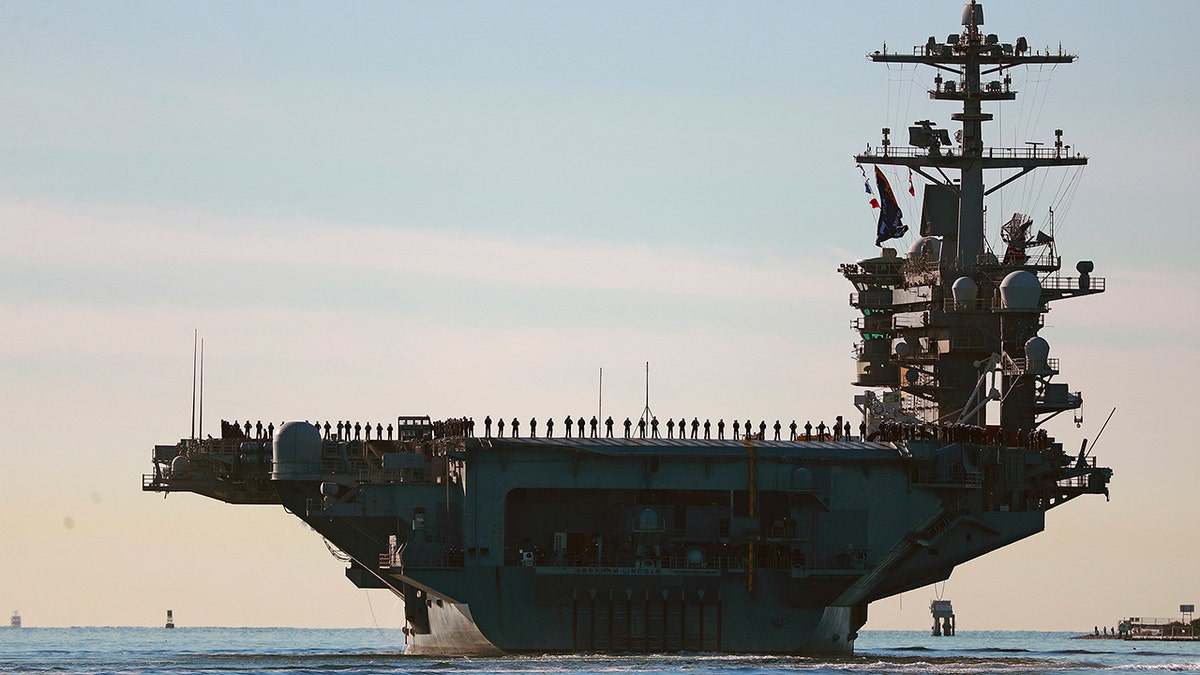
(1183, 629)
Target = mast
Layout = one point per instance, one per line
(944, 324)
(969, 59)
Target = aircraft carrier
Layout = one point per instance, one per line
(631, 539)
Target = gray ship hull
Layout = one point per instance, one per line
(802, 588)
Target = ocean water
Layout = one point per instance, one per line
(121, 651)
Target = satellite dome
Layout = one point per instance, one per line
(901, 347)
(1037, 352)
(1021, 291)
(964, 290)
(179, 465)
(297, 452)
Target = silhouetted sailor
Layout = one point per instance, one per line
(247, 428)
(821, 430)
(792, 428)
(696, 426)
(808, 431)
(550, 428)
(357, 430)
(533, 427)
(670, 428)
(500, 427)
(846, 428)
(258, 429)
(270, 430)
(368, 431)
(862, 430)
(654, 427)
(707, 429)
(567, 423)
(721, 429)
(837, 428)
(777, 428)
(593, 423)
(737, 430)
(579, 426)
(747, 431)
(642, 427)
(762, 430)
(487, 426)
(326, 429)
(516, 426)
(627, 425)
(389, 431)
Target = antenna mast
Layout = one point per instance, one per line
(600, 397)
(195, 339)
(646, 414)
(201, 426)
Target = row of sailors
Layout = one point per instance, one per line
(652, 429)
(344, 430)
(890, 430)
(465, 427)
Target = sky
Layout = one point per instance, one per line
(466, 208)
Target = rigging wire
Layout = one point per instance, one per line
(905, 81)
(1073, 192)
(372, 608)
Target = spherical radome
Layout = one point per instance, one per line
(1021, 291)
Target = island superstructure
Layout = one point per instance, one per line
(597, 540)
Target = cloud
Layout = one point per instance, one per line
(117, 237)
